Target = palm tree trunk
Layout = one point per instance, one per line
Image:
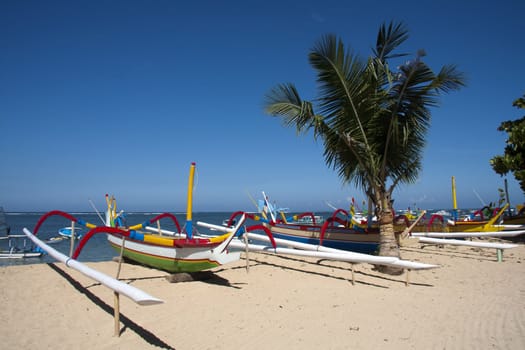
(388, 245)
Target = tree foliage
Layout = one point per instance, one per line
(513, 158)
(372, 118)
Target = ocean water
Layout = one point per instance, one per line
(97, 248)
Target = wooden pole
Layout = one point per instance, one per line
(116, 299)
(72, 240)
(509, 213)
(158, 227)
(409, 229)
(500, 254)
(454, 201)
(353, 276)
(245, 237)
(407, 282)
(116, 303)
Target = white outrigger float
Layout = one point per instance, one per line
(135, 294)
(316, 251)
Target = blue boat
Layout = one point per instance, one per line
(66, 232)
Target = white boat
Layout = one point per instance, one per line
(443, 212)
(17, 251)
(17, 246)
(309, 220)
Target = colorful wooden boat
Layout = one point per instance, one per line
(516, 219)
(342, 238)
(438, 223)
(185, 252)
(333, 233)
(175, 254)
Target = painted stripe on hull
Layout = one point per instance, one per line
(165, 258)
(359, 247)
(363, 246)
(333, 234)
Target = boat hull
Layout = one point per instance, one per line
(514, 220)
(172, 259)
(19, 255)
(338, 238)
(66, 232)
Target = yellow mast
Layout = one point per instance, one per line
(189, 224)
(454, 202)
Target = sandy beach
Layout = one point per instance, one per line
(282, 302)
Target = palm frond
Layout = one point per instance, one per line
(284, 101)
(389, 38)
(448, 79)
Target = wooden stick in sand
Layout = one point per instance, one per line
(72, 245)
(245, 237)
(116, 305)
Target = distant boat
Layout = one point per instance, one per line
(66, 232)
(19, 253)
(443, 212)
(310, 220)
(17, 246)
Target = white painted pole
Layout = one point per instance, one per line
(493, 245)
(343, 256)
(135, 294)
(468, 234)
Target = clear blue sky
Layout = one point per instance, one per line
(120, 97)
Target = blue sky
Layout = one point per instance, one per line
(120, 97)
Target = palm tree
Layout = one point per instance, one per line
(372, 119)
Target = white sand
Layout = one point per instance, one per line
(471, 302)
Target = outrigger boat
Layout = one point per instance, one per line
(14, 251)
(438, 226)
(342, 230)
(333, 233)
(185, 252)
(17, 246)
(476, 223)
(516, 219)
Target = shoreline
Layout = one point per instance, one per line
(284, 302)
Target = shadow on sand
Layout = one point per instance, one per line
(127, 322)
